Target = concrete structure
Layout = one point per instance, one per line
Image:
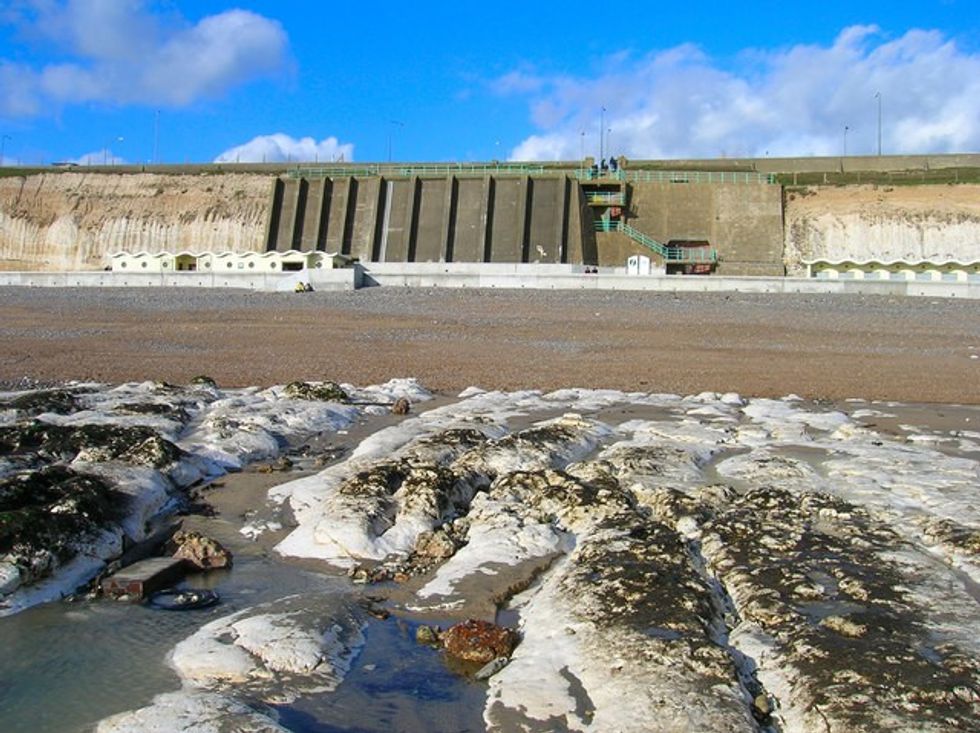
(501, 215)
(574, 277)
(476, 275)
(340, 279)
(420, 217)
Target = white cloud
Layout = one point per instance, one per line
(99, 157)
(119, 52)
(279, 147)
(795, 101)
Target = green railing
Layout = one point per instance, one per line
(407, 171)
(645, 176)
(699, 255)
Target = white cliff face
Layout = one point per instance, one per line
(72, 221)
(911, 223)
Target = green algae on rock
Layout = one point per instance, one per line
(319, 391)
(45, 513)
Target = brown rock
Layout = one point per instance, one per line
(401, 406)
(202, 552)
(479, 641)
(437, 545)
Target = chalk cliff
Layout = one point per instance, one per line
(930, 222)
(74, 220)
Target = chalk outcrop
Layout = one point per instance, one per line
(883, 223)
(73, 221)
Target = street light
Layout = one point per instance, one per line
(878, 97)
(105, 153)
(156, 137)
(3, 144)
(846, 128)
(392, 123)
(602, 127)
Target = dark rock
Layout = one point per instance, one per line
(60, 401)
(319, 391)
(204, 381)
(177, 413)
(479, 641)
(401, 406)
(44, 513)
(202, 552)
(137, 444)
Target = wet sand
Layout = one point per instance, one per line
(821, 347)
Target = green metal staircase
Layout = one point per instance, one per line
(680, 255)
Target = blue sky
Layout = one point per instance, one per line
(182, 80)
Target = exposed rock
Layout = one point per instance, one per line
(437, 544)
(94, 443)
(44, 514)
(202, 552)
(829, 614)
(320, 391)
(203, 380)
(282, 463)
(274, 652)
(491, 668)
(189, 710)
(60, 401)
(479, 641)
(401, 406)
(428, 635)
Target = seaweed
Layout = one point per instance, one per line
(50, 509)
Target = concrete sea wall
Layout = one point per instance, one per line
(438, 218)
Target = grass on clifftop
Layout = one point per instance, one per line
(936, 176)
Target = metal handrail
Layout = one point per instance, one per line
(647, 176)
(670, 254)
(498, 169)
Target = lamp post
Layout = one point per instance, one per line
(105, 153)
(3, 145)
(156, 137)
(602, 127)
(392, 123)
(581, 147)
(846, 128)
(878, 97)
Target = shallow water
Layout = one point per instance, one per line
(65, 666)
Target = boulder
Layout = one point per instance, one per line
(202, 552)
(401, 406)
(479, 641)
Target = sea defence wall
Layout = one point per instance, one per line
(742, 221)
(545, 218)
(438, 218)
